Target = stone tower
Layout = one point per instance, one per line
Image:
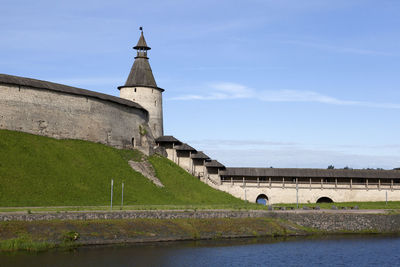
(141, 88)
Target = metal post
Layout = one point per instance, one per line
(386, 197)
(297, 193)
(122, 196)
(112, 185)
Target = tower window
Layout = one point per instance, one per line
(135, 90)
(152, 90)
(155, 103)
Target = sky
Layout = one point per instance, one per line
(253, 83)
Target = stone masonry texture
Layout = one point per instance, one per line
(325, 221)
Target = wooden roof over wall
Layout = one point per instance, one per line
(199, 155)
(214, 164)
(184, 147)
(167, 139)
(310, 173)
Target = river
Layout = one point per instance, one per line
(328, 251)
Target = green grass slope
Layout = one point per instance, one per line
(41, 171)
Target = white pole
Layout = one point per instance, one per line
(112, 185)
(122, 197)
(297, 194)
(386, 197)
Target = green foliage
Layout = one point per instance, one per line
(70, 236)
(186, 188)
(142, 130)
(331, 167)
(134, 155)
(39, 171)
(23, 243)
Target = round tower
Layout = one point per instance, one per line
(141, 87)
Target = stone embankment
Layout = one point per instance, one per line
(377, 221)
(48, 230)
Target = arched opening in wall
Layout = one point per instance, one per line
(133, 142)
(324, 200)
(262, 199)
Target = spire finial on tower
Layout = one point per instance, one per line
(141, 45)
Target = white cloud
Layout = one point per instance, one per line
(224, 91)
(221, 91)
(300, 158)
(264, 153)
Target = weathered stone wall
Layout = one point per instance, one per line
(331, 221)
(68, 116)
(151, 100)
(250, 192)
(338, 221)
(184, 160)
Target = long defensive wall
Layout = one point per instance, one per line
(278, 185)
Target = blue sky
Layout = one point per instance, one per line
(253, 83)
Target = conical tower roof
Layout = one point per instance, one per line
(141, 73)
(141, 44)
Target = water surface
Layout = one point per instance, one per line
(331, 251)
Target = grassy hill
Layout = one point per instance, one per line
(41, 171)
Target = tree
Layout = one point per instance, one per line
(331, 167)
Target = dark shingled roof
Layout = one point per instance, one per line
(214, 164)
(141, 73)
(22, 81)
(167, 139)
(199, 155)
(185, 147)
(310, 173)
(141, 44)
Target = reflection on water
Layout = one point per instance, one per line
(328, 251)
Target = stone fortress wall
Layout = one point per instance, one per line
(279, 185)
(150, 99)
(135, 119)
(64, 112)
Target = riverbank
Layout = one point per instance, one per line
(41, 231)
